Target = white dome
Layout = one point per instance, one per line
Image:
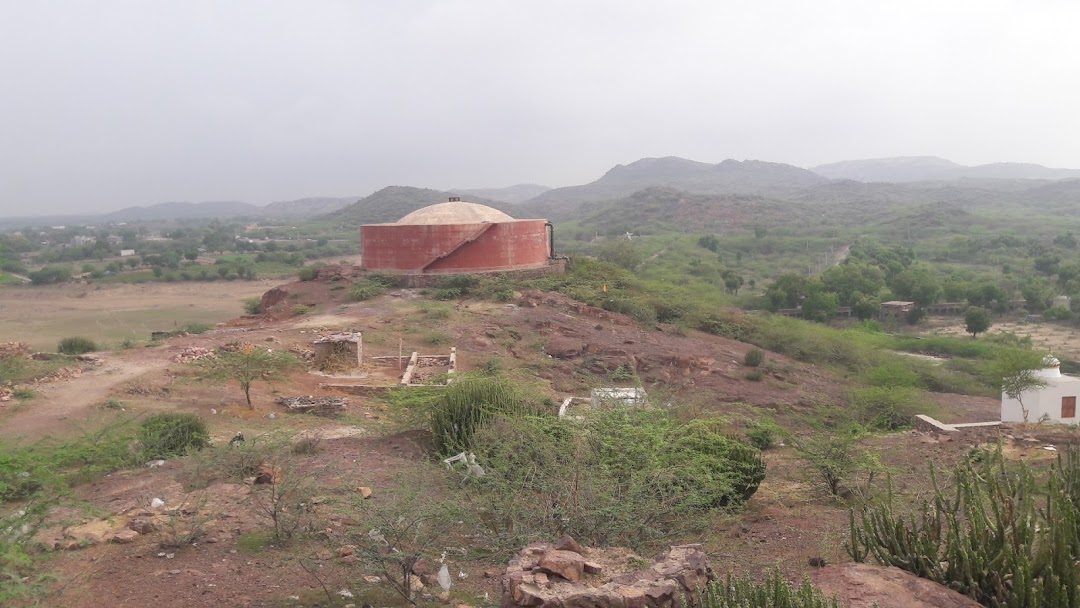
(1051, 367)
(455, 212)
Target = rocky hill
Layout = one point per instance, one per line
(922, 168)
(308, 207)
(393, 202)
(751, 177)
(511, 194)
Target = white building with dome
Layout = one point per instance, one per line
(1055, 402)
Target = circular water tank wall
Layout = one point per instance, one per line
(456, 237)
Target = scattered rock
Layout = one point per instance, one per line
(157, 503)
(567, 564)
(365, 492)
(268, 475)
(124, 537)
(93, 533)
(567, 543)
(422, 567)
(562, 347)
(593, 568)
(323, 406)
(863, 586)
(346, 551)
(194, 353)
(682, 571)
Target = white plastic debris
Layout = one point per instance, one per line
(377, 536)
(444, 578)
(1049, 448)
(345, 593)
(153, 464)
(471, 468)
(157, 503)
(449, 462)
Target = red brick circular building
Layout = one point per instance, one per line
(456, 237)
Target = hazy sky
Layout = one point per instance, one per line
(107, 104)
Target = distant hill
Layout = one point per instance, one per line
(511, 194)
(932, 168)
(750, 177)
(393, 202)
(663, 209)
(176, 211)
(308, 207)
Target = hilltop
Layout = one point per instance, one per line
(393, 202)
(929, 168)
(728, 177)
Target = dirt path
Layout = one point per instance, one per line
(57, 407)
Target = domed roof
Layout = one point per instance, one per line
(455, 212)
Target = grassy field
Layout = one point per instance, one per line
(109, 314)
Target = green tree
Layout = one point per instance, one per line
(918, 284)
(620, 252)
(1018, 369)
(866, 307)
(820, 306)
(850, 281)
(837, 455)
(732, 281)
(977, 320)
(710, 242)
(788, 290)
(247, 365)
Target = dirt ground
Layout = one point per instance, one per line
(43, 315)
(562, 346)
(1058, 338)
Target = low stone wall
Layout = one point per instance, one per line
(927, 424)
(561, 574)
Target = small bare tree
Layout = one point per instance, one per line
(1019, 372)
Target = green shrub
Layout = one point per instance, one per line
(49, 467)
(466, 406)
(437, 338)
(252, 306)
(1058, 313)
(435, 312)
(754, 357)
(887, 408)
(365, 289)
(763, 433)
(754, 375)
(461, 282)
(447, 293)
(623, 476)
(302, 309)
(172, 434)
(22, 394)
(892, 374)
(774, 592)
(196, 329)
(308, 273)
(76, 345)
(996, 524)
(715, 471)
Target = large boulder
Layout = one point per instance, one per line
(272, 298)
(863, 586)
(549, 575)
(562, 347)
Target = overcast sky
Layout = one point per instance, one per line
(107, 104)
